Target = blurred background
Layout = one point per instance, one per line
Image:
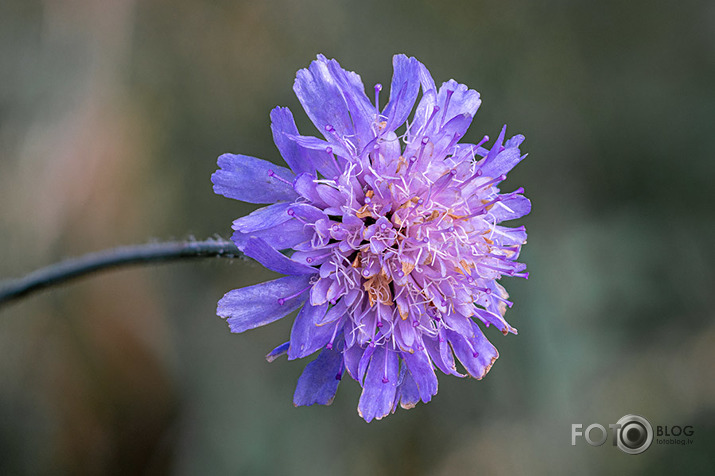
(112, 115)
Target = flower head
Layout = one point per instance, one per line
(391, 241)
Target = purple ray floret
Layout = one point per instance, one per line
(388, 230)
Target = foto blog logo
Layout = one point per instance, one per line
(633, 434)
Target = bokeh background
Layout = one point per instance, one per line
(112, 115)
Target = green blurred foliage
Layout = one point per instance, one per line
(112, 115)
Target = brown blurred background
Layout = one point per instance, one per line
(112, 115)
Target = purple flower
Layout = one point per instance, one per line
(389, 236)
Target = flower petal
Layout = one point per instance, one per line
(283, 125)
(277, 352)
(441, 354)
(459, 323)
(322, 154)
(364, 363)
(305, 186)
(457, 99)
(352, 356)
(424, 110)
(407, 393)
(451, 130)
(361, 110)
(263, 218)
(262, 252)
(505, 236)
(511, 208)
(403, 91)
(378, 391)
(319, 292)
(319, 380)
(318, 92)
(306, 337)
(502, 163)
(335, 313)
(333, 197)
(514, 141)
(496, 148)
(422, 371)
(249, 179)
(308, 213)
(496, 319)
(426, 79)
(255, 306)
(476, 354)
(283, 236)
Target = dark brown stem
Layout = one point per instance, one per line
(59, 273)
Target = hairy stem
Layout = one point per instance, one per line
(59, 273)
